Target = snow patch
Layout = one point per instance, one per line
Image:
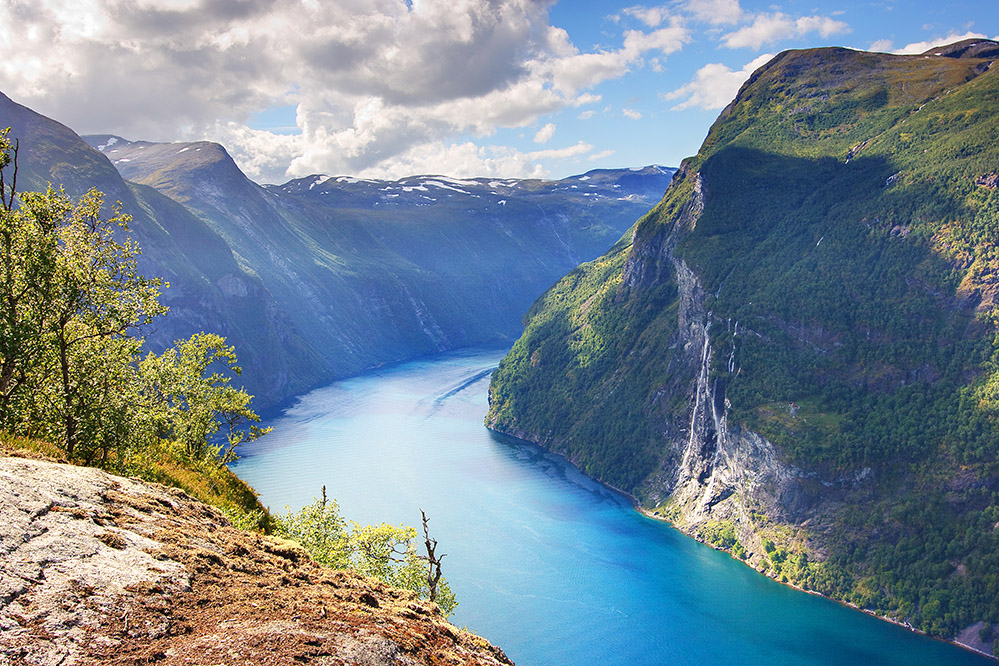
(461, 183)
(410, 188)
(443, 186)
(583, 178)
(319, 181)
(501, 202)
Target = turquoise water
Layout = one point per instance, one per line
(551, 566)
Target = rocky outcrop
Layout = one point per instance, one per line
(103, 569)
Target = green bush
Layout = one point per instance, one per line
(383, 551)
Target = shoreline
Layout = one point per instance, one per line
(636, 505)
(648, 514)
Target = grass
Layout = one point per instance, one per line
(209, 483)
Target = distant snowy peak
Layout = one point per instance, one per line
(121, 149)
(168, 166)
(634, 184)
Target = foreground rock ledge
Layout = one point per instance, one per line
(96, 568)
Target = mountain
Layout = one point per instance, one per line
(794, 355)
(206, 279)
(370, 272)
(325, 277)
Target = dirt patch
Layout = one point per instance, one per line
(178, 585)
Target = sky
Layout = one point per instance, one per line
(463, 88)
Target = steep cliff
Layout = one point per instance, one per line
(103, 569)
(793, 355)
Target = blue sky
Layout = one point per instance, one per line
(387, 88)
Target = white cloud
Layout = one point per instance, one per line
(373, 80)
(579, 148)
(545, 133)
(587, 98)
(714, 85)
(603, 154)
(586, 115)
(825, 26)
(632, 113)
(650, 16)
(768, 28)
(438, 157)
(923, 47)
(881, 46)
(664, 40)
(573, 71)
(716, 12)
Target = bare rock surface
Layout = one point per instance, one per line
(96, 568)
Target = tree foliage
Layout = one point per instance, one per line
(72, 309)
(386, 552)
(192, 403)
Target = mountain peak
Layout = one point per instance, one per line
(967, 48)
(165, 165)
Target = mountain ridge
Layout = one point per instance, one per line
(308, 290)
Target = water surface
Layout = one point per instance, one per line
(549, 565)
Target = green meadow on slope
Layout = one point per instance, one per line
(835, 241)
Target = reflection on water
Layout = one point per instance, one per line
(546, 563)
(556, 468)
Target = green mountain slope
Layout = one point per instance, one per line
(794, 355)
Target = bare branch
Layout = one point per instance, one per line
(433, 562)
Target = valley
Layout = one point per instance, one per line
(786, 348)
(322, 277)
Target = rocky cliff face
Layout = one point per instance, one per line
(709, 472)
(102, 569)
(792, 356)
